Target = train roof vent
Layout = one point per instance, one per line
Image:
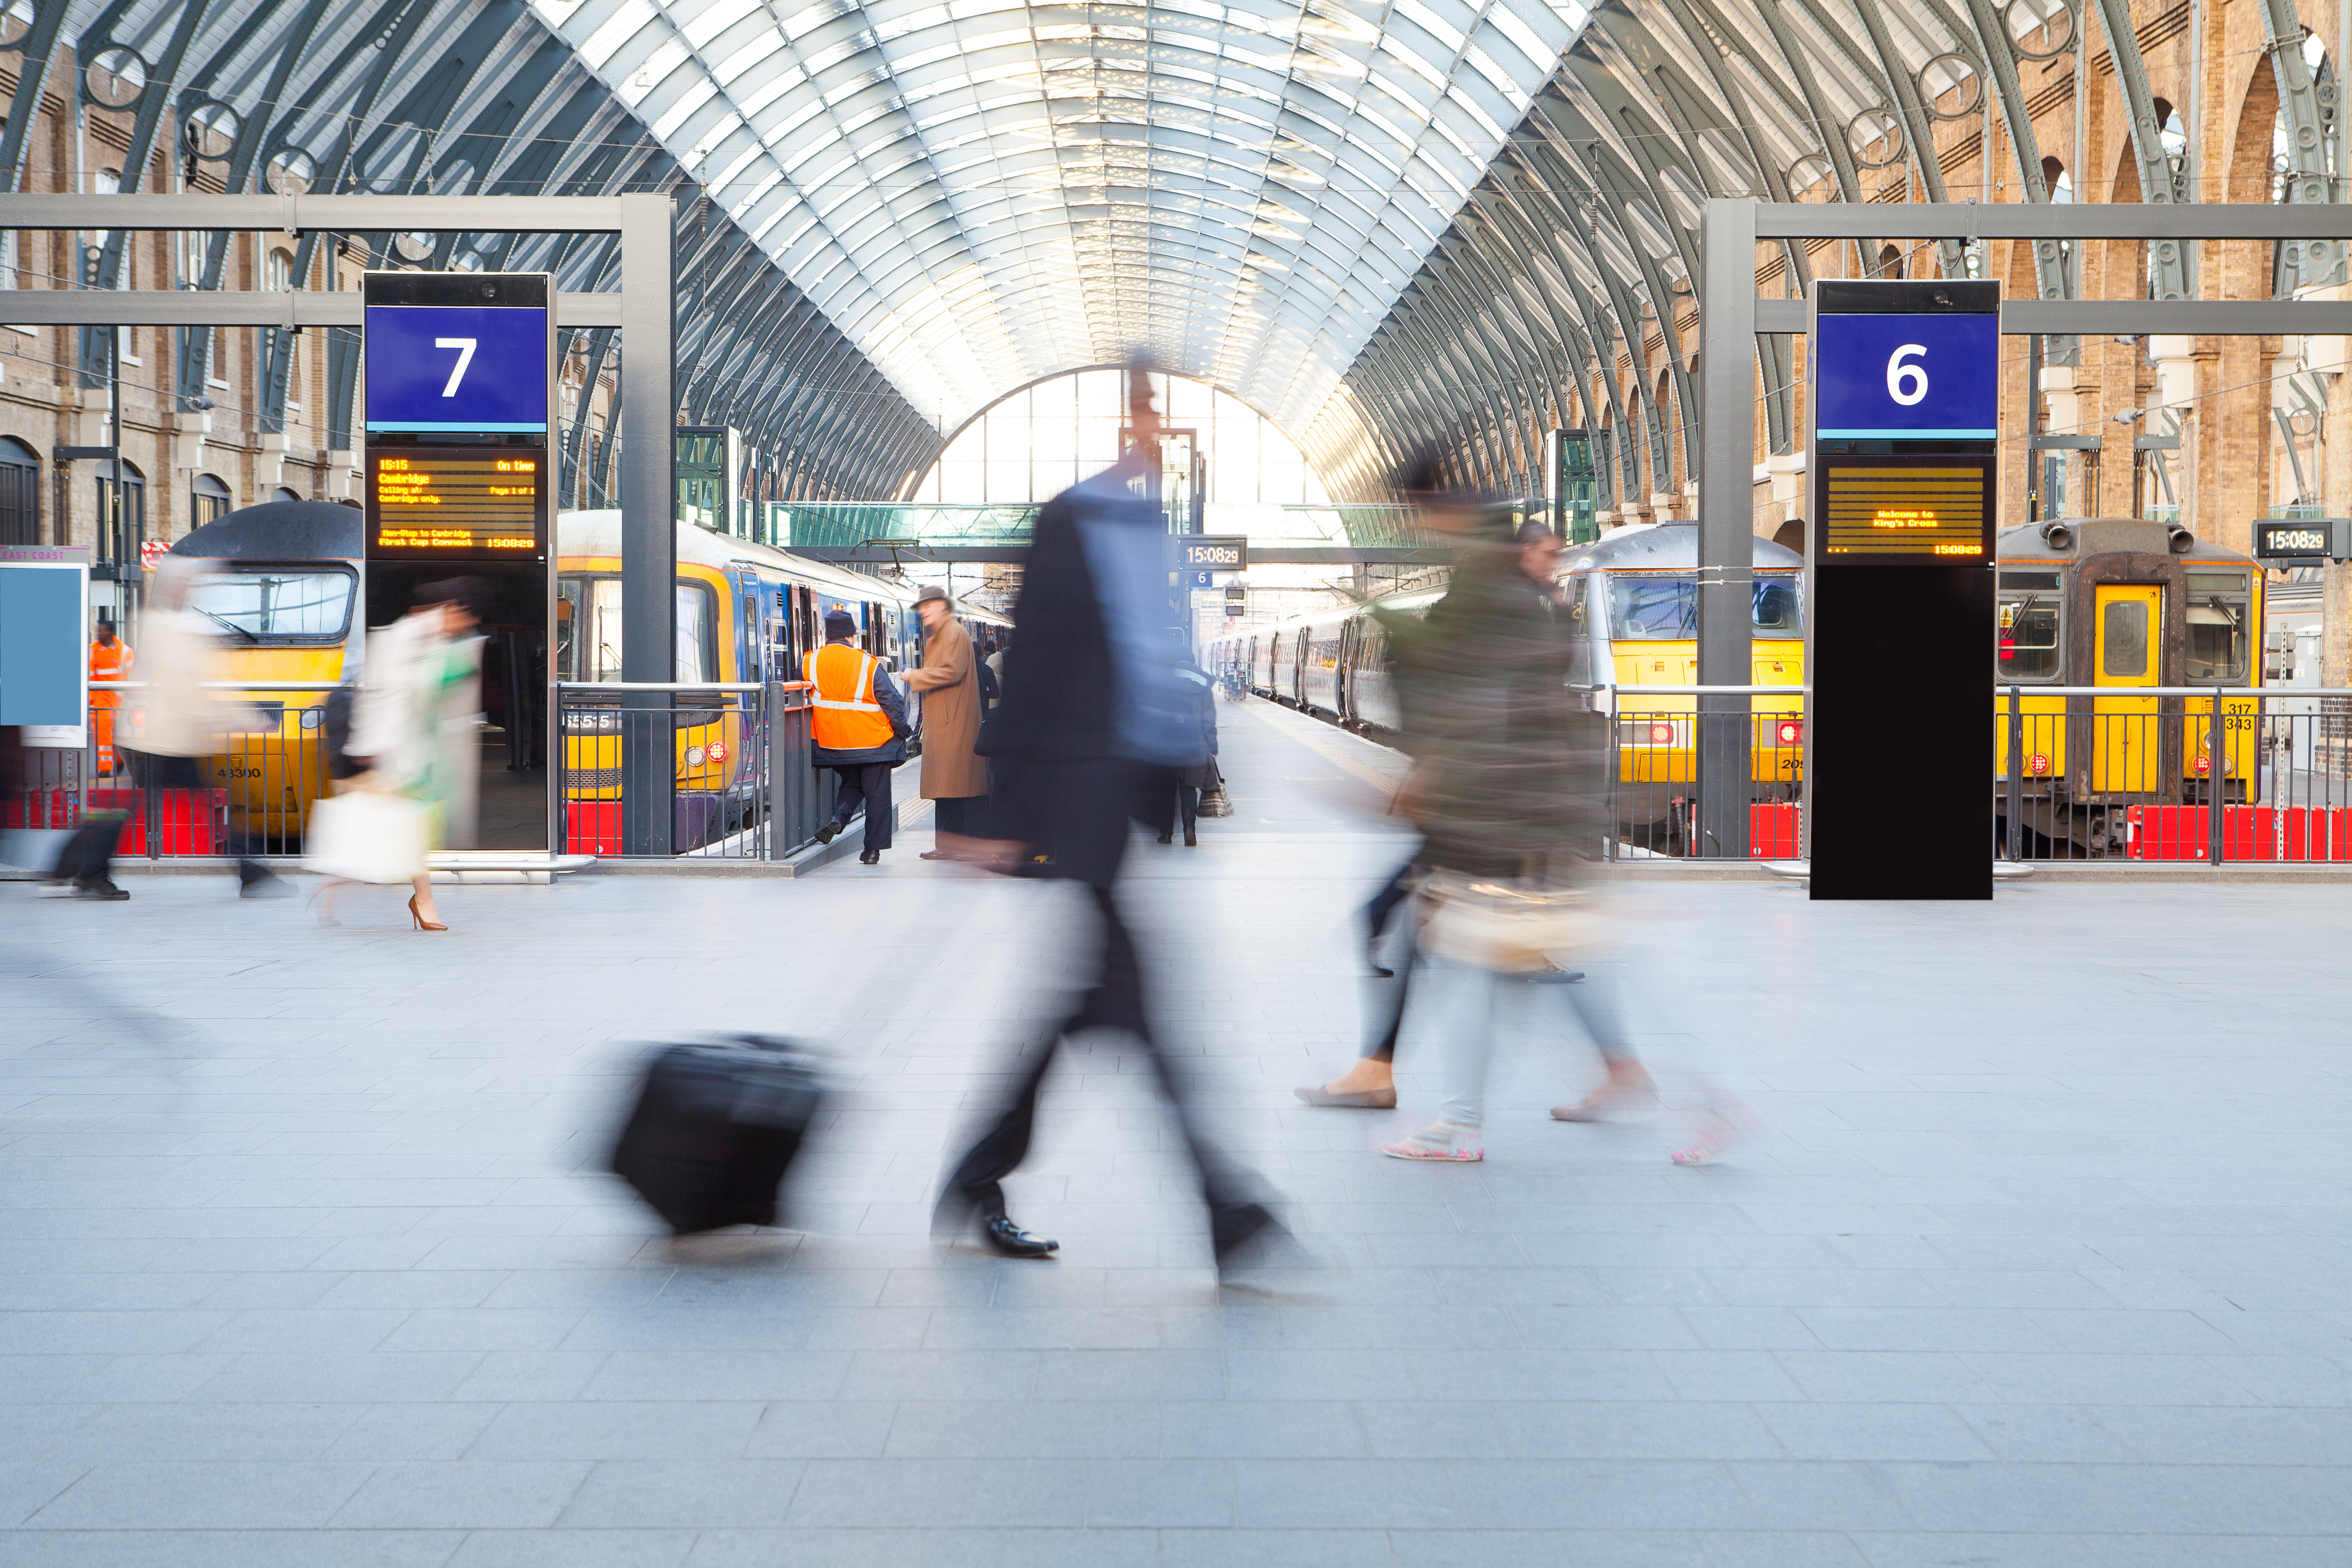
(2121, 536)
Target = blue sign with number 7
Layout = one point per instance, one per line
(444, 368)
(1933, 377)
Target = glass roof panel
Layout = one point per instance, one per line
(979, 194)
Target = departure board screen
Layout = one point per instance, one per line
(480, 501)
(1930, 508)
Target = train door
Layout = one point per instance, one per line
(2124, 754)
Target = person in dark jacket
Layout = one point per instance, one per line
(1092, 717)
(1194, 774)
(860, 730)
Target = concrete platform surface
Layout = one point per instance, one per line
(2037, 1252)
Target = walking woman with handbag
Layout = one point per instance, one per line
(1505, 791)
(416, 724)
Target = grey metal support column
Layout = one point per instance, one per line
(1726, 553)
(648, 526)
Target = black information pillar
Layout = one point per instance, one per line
(460, 380)
(1907, 401)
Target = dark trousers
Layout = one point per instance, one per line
(153, 770)
(1183, 804)
(866, 784)
(1395, 991)
(964, 813)
(1115, 1001)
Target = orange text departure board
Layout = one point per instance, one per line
(478, 501)
(1934, 507)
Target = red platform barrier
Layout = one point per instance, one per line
(192, 819)
(592, 828)
(2248, 833)
(1772, 830)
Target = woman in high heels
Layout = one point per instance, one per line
(417, 722)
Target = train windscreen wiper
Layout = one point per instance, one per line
(223, 620)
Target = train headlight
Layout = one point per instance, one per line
(1791, 732)
(2204, 765)
(2038, 765)
(716, 751)
(313, 717)
(694, 756)
(1662, 735)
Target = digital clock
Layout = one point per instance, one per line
(2304, 539)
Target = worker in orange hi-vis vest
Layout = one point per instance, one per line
(859, 725)
(110, 660)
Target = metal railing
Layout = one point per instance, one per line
(2231, 774)
(1653, 776)
(2223, 775)
(738, 756)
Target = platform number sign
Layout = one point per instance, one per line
(1907, 377)
(456, 369)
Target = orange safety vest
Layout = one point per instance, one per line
(847, 718)
(108, 664)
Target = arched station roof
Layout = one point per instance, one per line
(1388, 224)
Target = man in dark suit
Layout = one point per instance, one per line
(1092, 720)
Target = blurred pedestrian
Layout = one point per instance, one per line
(182, 721)
(1092, 717)
(860, 724)
(1505, 789)
(1370, 1083)
(953, 775)
(999, 647)
(110, 660)
(416, 724)
(1194, 774)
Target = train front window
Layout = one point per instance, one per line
(1645, 608)
(2221, 608)
(2029, 637)
(1653, 609)
(277, 604)
(589, 631)
(1776, 608)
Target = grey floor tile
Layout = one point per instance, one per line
(463, 1494)
(2075, 1300)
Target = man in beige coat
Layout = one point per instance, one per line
(954, 775)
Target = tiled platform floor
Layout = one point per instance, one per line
(2038, 1255)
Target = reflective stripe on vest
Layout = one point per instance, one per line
(846, 718)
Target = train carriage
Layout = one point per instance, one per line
(2117, 606)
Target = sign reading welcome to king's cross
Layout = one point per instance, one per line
(1907, 377)
(448, 368)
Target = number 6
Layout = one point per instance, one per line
(1906, 384)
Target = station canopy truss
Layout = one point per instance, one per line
(1392, 228)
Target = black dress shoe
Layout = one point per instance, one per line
(869, 857)
(1014, 1242)
(1191, 839)
(826, 834)
(1232, 1227)
(1165, 838)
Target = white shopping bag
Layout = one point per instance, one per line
(367, 837)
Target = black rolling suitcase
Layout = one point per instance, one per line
(715, 1127)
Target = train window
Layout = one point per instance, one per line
(1653, 609)
(697, 633)
(278, 603)
(2028, 638)
(2123, 639)
(589, 619)
(1776, 607)
(2216, 636)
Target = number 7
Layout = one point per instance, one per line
(465, 347)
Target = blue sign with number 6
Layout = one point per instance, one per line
(480, 369)
(1907, 377)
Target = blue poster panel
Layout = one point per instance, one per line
(439, 368)
(1907, 377)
